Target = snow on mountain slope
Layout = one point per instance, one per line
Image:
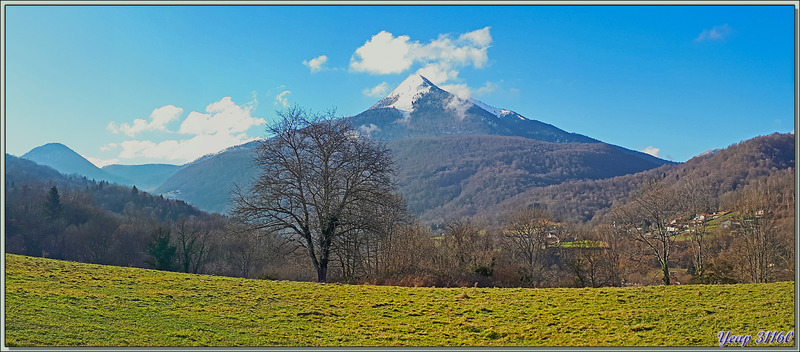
(403, 97)
(416, 86)
(501, 113)
(495, 111)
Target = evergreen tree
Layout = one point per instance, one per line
(164, 254)
(52, 206)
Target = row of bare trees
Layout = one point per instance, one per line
(762, 243)
(652, 212)
(326, 193)
(758, 234)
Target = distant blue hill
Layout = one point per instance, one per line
(68, 162)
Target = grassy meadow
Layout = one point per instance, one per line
(58, 303)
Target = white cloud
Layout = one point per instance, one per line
(480, 37)
(461, 90)
(133, 148)
(652, 151)
(376, 91)
(438, 72)
(281, 98)
(316, 64)
(183, 150)
(405, 120)
(224, 124)
(223, 116)
(439, 60)
(163, 115)
(367, 130)
(101, 162)
(487, 88)
(384, 54)
(717, 33)
(459, 107)
(253, 103)
(158, 121)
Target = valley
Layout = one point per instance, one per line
(468, 177)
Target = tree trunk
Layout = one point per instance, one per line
(665, 270)
(326, 241)
(322, 270)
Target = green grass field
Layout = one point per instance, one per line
(57, 303)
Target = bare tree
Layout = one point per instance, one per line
(762, 226)
(194, 240)
(465, 253)
(612, 255)
(527, 235)
(93, 241)
(648, 218)
(456, 245)
(409, 252)
(319, 180)
(594, 259)
(245, 252)
(697, 201)
(359, 252)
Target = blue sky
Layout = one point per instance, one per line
(146, 84)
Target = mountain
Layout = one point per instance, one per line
(724, 171)
(208, 181)
(456, 176)
(95, 221)
(24, 176)
(417, 108)
(20, 171)
(454, 157)
(146, 177)
(67, 161)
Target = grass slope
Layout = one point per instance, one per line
(57, 303)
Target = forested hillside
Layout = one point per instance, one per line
(451, 177)
(208, 181)
(554, 236)
(725, 171)
(52, 215)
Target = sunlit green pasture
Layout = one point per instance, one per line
(57, 303)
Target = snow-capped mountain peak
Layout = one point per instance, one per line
(402, 98)
(415, 86)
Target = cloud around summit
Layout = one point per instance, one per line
(439, 60)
